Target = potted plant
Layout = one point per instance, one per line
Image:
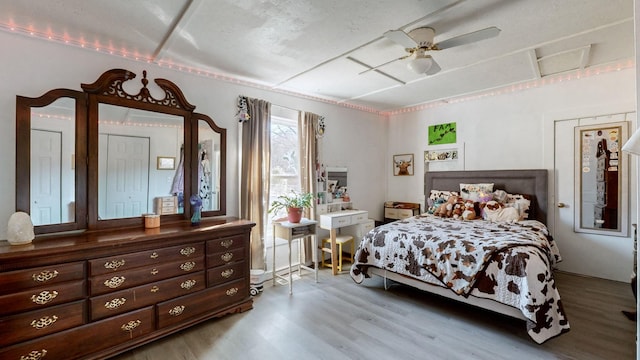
(294, 203)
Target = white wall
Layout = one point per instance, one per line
(515, 131)
(32, 66)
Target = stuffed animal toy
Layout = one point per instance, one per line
(433, 209)
(458, 209)
(469, 212)
(446, 209)
(495, 211)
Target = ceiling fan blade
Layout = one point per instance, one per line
(435, 68)
(401, 38)
(469, 38)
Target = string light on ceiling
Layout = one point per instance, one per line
(65, 39)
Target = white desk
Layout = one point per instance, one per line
(335, 220)
(291, 231)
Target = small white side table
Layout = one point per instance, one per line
(292, 231)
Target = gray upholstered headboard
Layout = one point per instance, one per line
(529, 182)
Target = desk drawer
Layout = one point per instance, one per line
(137, 297)
(358, 218)
(341, 221)
(186, 307)
(112, 264)
(14, 281)
(29, 325)
(41, 297)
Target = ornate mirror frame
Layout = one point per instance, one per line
(108, 89)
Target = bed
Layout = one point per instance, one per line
(506, 267)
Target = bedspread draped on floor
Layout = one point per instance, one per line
(507, 262)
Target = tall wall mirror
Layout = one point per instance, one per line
(104, 157)
(601, 192)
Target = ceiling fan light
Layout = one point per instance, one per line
(421, 64)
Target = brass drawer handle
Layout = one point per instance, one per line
(34, 355)
(188, 266)
(115, 303)
(227, 243)
(154, 255)
(131, 325)
(114, 264)
(115, 282)
(43, 322)
(154, 272)
(44, 297)
(188, 284)
(187, 251)
(45, 276)
(155, 289)
(227, 273)
(232, 291)
(176, 311)
(226, 257)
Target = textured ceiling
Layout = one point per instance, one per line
(321, 48)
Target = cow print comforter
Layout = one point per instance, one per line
(507, 262)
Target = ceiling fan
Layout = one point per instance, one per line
(419, 41)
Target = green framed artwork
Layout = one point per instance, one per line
(442, 134)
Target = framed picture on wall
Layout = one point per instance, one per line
(442, 134)
(403, 164)
(441, 155)
(166, 163)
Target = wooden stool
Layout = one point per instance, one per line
(340, 240)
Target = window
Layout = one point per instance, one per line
(285, 158)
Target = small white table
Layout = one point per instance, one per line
(292, 231)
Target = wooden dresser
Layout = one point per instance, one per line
(96, 294)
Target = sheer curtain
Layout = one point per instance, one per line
(255, 118)
(307, 124)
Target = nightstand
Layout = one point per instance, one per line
(396, 210)
(295, 231)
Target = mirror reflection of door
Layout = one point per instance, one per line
(126, 182)
(46, 153)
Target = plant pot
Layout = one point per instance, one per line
(294, 215)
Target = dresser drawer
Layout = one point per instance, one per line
(29, 325)
(186, 307)
(78, 342)
(14, 281)
(106, 283)
(391, 213)
(222, 274)
(137, 297)
(225, 244)
(224, 258)
(41, 297)
(144, 258)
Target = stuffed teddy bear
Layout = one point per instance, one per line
(469, 212)
(495, 211)
(458, 209)
(446, 209)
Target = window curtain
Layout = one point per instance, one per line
(255, 121)
(307, 124)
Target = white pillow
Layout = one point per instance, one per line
(474, 192)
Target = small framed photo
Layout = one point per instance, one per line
(403, 164)
(332, 186)
(166, 163)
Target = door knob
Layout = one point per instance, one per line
(561, 205)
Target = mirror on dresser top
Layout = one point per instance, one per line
(129, 152)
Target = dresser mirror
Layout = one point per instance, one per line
(102, 157)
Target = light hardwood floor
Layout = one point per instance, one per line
(338, 319)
